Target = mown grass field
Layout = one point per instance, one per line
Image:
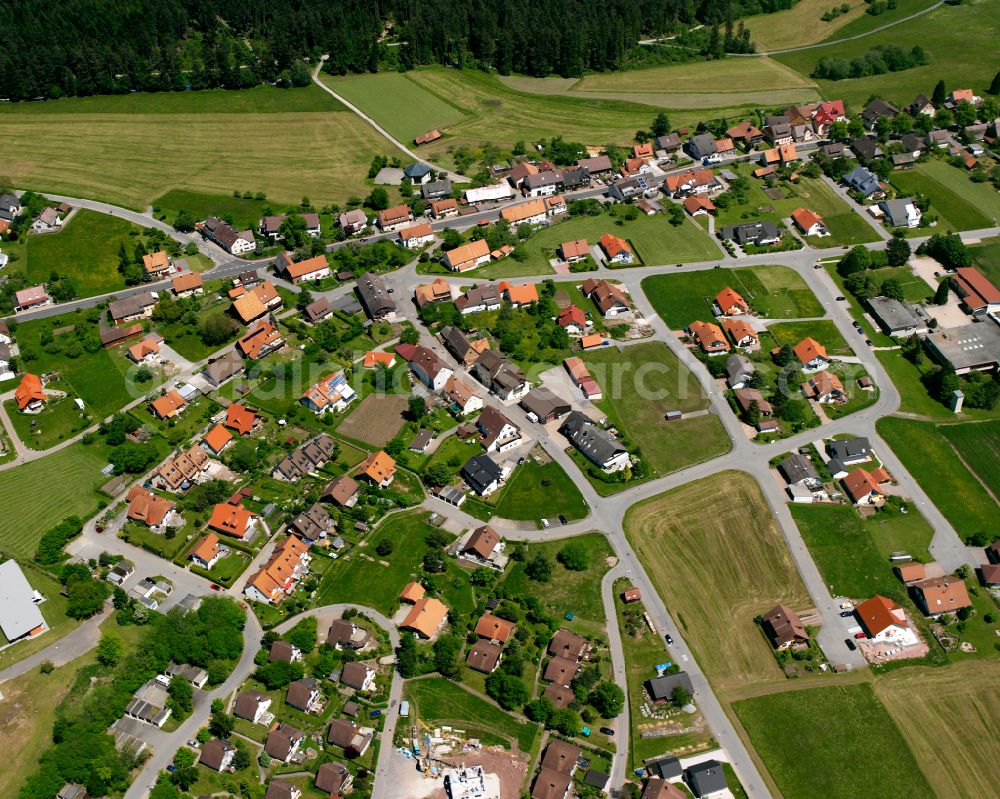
(949, 719)
(382, 584)
(799, 25)
(726, 84)
(934, 464)
(717, 559)
(640, 383)
(775, 291)
(986, 258)
(948, 34)
(245, 213)
(134, 148)
(576, 591)
(408, 109)
(914, 396)
(38, 495)
(437, 701)
(654, 239)
(822, 330)
(541, 490)
(86, 250)
(960, 203)
(852, 553)
(832, 743)
(979, 446)
(59, 420)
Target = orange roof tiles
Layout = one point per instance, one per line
(494, 628)
(264, 335)
(465, 256)
(240, 418)
(524, 294)
(709, 336)
(522, 211)
(295, 270)
(378, 466)
(231, 519)
(805, 219)
(374, 357)
(438, 291)
(412, 592)
(146, 507)
(170, 404)
(217, 438)
(156, 262)
(739, 329)
(612, 245)
(591, 341)
(207, 548)
(694, 203)
(880, 613)
(187, 282)
(808, 349)
(728, 298)
(860, 484)
(426, 616)
(148, 346)
(575, 249)
(28, 391)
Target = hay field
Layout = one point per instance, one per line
(133, 151)
(950, 717)
(717, 560)
(376, 420)
(799, 25)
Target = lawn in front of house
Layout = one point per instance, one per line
(852, 554)
(245, 212)
(640, 383)
(940, 472)
(58, 420)
(537, 491)
(86, 250)
(454, 453)
(773, 291)
(715, 600)
(437, 701)
(179, 429)
(914, 397)
(820, 742)
(576, 592)
(822, 330)
(362, 569)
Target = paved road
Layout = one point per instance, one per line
(69, 647)
(622, 724)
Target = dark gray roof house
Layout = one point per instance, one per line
(544, 405)
(377, 302)
(662, 687)
(850, 450)
(668, 768)
(759, 233)
(597, 444)
(875, 109)
(705, 779)
(700, 146)
(482, 474)
(738, 370)
(865, 149)
(670, 142)
(436, 189)
(797, 468)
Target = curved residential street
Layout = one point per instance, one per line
(606, 515)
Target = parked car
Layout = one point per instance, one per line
(375, 714)
(171, 768)
(850, 644)
(607, 731)
(545, 522)
(841, 299)
(847, 606)
(214, 587)
(670, 639)
(868, 341)
(846, 613)
(563, 519)
(859, 636)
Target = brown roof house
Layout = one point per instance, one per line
(304, 695)
(353, 739)
(285, 652)
(483, 546)
(940, 595)
(253, 706)
(333, 778)
(279, 789)
(495, 629)
(343, 491)
(358, 676)
(283, 742)
(217, 755)
(345, 635)
(569, 645)
(561, 670)
(484, 656)
(784, 628)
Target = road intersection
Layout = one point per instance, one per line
(608, 513)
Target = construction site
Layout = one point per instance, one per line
(442, 762)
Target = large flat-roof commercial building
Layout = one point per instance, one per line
(970, 348)
(19, 615)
